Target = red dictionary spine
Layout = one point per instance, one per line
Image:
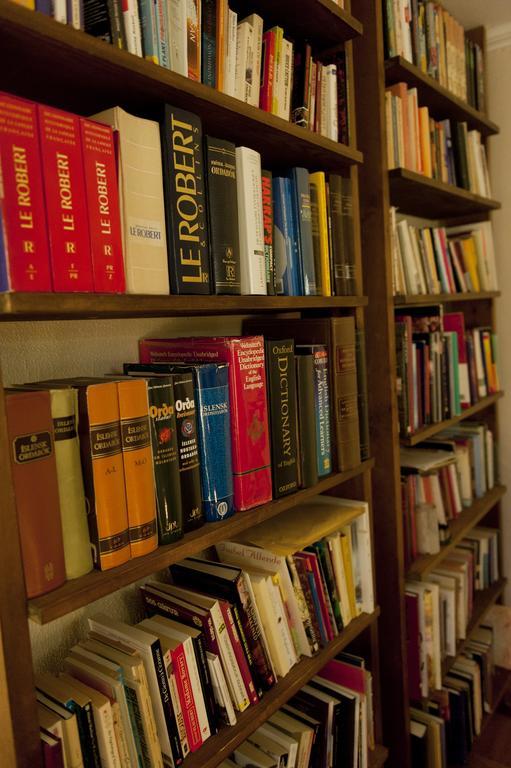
(238, 651)
(247, 391)
(267, 72)
(66, 208)
(185, 692)
(100, 171)
(22, 212)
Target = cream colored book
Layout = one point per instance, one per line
(334, 546)
(71, 737)
(272, 613)
(141, 201)
(250, 221)
(73, 511)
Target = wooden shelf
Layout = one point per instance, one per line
(458, 528)
(220, 746)
(442, 104)
(444, 298)
(84, 590)
(483, 601)
(78, 306)
(432, 429)
(88, 74)
(418, 195)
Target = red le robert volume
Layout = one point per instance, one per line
(66, 207)
(100, 170)
(22, 211)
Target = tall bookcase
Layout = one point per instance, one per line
(54, 64)
(414, 195)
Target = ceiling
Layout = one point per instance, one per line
(471, 13)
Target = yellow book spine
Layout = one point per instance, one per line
(470, 258)
(425, 142)
(348, 569)
(277, 71)
(320, 224)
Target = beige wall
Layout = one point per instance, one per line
(499, 95)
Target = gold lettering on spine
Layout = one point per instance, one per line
(22, 182)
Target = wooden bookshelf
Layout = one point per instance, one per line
(432, 429)
(458, 529)
(84, 590)
(442, 104)
(220, 746)
(444, 298)
(418, 195)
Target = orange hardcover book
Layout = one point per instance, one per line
(34, 474)
(103, 471)
(425, 142)
(138, 465)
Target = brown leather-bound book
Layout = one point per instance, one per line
(32, 453)
(138, 465)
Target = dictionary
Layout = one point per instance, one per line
(24, 252)
(185, 201)
(99, 164)
(66, 207)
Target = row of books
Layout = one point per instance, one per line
(443, 150)
(212, 643)
(442, 260)
(241, 57)
(438, 610)
(442, 367)
(209, 220)
(439, 479)
(428, 36)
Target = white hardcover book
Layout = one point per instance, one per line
(481, 378)
(411, 275)
(334, 546)
(273, 749)
(230, 53)
(248, 755)
(141, 201)
(59, 11)
(250, 221)
(330, 701)
(424, 287)
(474, 139)
(220, 689)
(286, 83)
(272, 614)
(257, 47)
(287, 741)
(76, 16)
(455, 488)
(131, 22)
(143, 643)
(246, 556)
(244, 60)
(178, 39)
(330, 74)
(303, 734)
(428, 539)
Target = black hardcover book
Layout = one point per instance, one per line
(103, 19)
(269, 258)
(460, 155)
(363, 408)
(188, 448)
(223, 215)
(280, 367)
(343, 251)
(419, 744)
(313, 723)
(185, 202)
(312, 703)
(457, 727)
(301, 78)
(168, 710)
(344, 747)
(308, 462)
(208, 42)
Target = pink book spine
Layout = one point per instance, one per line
(344, 674)
(185, 692)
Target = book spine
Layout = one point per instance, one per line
(280, 361)
(303, 215)
(178, 37)
(97, 19)
(131, 24)
(320, 232)
(267, 71)
(307, 420)
(250, 221)
(162, 420)
(64, 184)
(103, 207)
(138, 466)
(241, 659)
(260, 665)
(322, 410)
(222, 196)
(162, 30)
(166, 702)
(280, 238)
(344, 370)
(149, 24)
(103, 470)
(22, 205)
(188, 450)
(230, 56)
(206, 685)
(212, 390)
(266, 184)
(193, 27)
(363, 407)
(303, 605)
(185, 201)
(234, 678)
(187, 699)
(208, 42)
(348, 236)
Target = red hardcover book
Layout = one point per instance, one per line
(51, 750)
(267, 71)
(249, 414)
(455, 321)
(22, 211)
(99, 163)
(238, 651)
(66, 207)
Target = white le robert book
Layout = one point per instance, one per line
(144, 238)
(250, 221)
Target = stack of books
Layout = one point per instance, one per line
(426, 35)
(443, 150)
(439, 479)
(221, 635)
(442, 260)
(81, 224)
(442, 367)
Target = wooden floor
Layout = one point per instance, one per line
(494, 745)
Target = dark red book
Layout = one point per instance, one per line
(34, 475)
(66, 206)
(413, 646)
(267, 71)
(51, 750)
(26, 263)
(99, 163)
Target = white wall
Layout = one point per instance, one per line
(499, 103)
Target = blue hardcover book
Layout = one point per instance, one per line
(302, 212)
(162, 24)
(287, 278)
(44, 6)
(149, 25)
(322, 404)
(317, 606)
